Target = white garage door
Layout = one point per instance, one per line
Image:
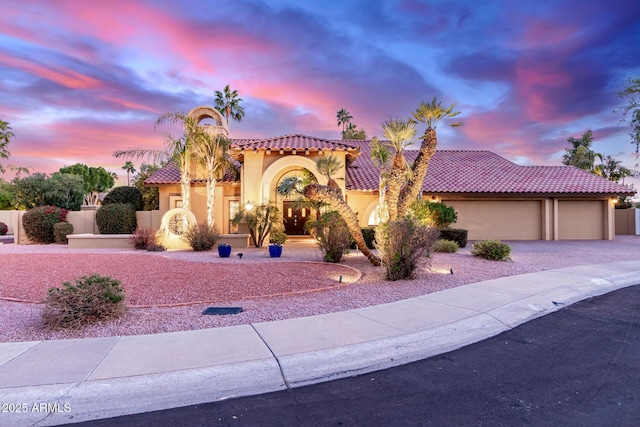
(504, 220)
(580, 219)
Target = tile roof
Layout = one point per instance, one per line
(450, 172)
(484, 172)
(170, 174)
(293, 142)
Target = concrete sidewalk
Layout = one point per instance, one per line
(54, 382)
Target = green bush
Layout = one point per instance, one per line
(401, 244)
(433, 214)
(456, 234)
(369, 235)
(91, 299)
(3, 228)
(38, 223)
(118, 218)
(494, 250)
(332, 235)
(60, 232)
(125, 194)
(445, 246)
(143, 238)
(277, 235)
(201, 237)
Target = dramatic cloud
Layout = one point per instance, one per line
(82, 79)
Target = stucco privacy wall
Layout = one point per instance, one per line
(84, 222)
(627, 221)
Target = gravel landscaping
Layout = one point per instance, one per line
(167, 291)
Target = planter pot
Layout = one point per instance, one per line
(275, 251)
(224, 251)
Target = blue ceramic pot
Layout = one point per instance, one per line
(224, 251)
(275, 251)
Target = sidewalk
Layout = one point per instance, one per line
(54, 382)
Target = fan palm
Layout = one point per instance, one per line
(228, 103)
(328, 166)
(400, 134)
(130, 168)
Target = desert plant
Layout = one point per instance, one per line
(494, 250)
(117, 218)
(260, 221)
(401, 244)
(91, 299)
(445, 246)
(277, 236)
(3, 228)
(125, 194)
(38, 223)
(201, 237)
(456, 234)
(60, 232)
(332, 234)
(143, 238)
(433, 214)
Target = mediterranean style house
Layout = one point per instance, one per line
(493, 197)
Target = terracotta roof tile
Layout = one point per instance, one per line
(463, 172)
(291, 142)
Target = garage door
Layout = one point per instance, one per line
(581, 219)
(504, 220)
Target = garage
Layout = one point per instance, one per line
(499, 219)
(580, 219)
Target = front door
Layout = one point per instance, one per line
(294, 219)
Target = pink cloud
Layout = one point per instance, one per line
(60, 75)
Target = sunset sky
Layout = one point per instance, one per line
(80, 79)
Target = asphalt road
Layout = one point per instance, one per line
(579, 366)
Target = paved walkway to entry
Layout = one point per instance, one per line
(54, 382)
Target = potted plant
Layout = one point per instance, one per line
(224, 250)
(276, 238)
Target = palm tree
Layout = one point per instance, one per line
(400, 134)
(228, 103)
(328, 166)
(5, 137)
(381, 156)
(177, 150)
(430, 114)
(343, 117)
(331, 196)
(211, 151)
(130, 168)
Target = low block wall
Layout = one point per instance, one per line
(235, 240)
(88, 241)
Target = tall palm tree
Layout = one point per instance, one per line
(400, 134)
(228, 103)
(430, 114)
(344, 118)
(130, 168)
(177, 150)
(5, 137)
(211, 152)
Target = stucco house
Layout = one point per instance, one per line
(494, 197)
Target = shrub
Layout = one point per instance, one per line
(91, 299)
(201, 237)
(401, 244)
(156, 247)
(446, 246)
(38, 223)
(491, 249)
(3, 228)
(332, 235)
(433, 214)
(457, 235)
(118, 218)
(143, 238)
(369, 235)
(125, 194)
(277, 236)
(60, 232)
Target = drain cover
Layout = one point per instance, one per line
(222, 310)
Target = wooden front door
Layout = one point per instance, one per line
(294, 219)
